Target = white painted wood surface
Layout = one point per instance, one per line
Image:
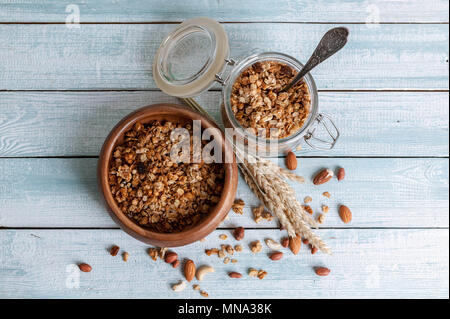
(118, 56)
(76, 123)
(230, 10)
(380, 192)
(394, 146)
(375, 263)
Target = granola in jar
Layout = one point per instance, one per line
(156, 192)
(258, 104)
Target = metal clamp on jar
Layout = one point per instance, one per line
(197, 54)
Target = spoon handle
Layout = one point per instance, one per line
(331, 42)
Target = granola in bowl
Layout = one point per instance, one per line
(258, 104)
(156, 192)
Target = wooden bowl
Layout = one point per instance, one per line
(178, 114)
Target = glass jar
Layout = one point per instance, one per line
(196, 55)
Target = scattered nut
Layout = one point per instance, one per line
(85, 267)
(341, 174)
(179, 286)
(234, 274)
(162, 252)
(202, 271)
(323, 176)
(204, 294)
(171, 257)
(276, 256)
(308, 209)
(238, 206)
(305, 241)
(262, 274)
(295, 243)
(238, 248)
(253, 272)
(196, 287)
(239, 233)
(114, 250)
(308, 199)
(255, 246)
(325, 209)
(345, 214)
(321, 218)
(125, 256)
(189, 270)
(226, 260)
(153, 253)
(234, 261)
(314, 250)
(322, 271)
(285, 242)
(223, 236)
(176, 263)
(272, 244)
(326, 194)
(291, 161)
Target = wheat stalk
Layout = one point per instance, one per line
(268, 181)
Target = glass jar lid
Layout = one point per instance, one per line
(189, 58)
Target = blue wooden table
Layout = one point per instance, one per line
(64, 86)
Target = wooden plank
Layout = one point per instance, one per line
(380, 192)
(263, 10)
(54, 57)
(366, 263)
(76, 123)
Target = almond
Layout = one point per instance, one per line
(341, 174)
(170, 257)
(322, 271)
(189, 270)
(239, 233)
(276, 256)
(114, 250)
(345, 214)
(323, 176)
(291, 161)
(85, 267)
(234, 274)
(295, 243)
(285, 242)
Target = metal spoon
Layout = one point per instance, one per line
(331, 42)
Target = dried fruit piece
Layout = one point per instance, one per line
(114, 250)
(276, 256)
(323, 176)
(345, 214)
(85, 267)
(176, 263)
(239, 233)
(305, 241)
(189, 270)
(314, 250)
(234, 274)
(341, 174)
(295, 243)
(291, 161)
(171, 257)
(322, 271)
